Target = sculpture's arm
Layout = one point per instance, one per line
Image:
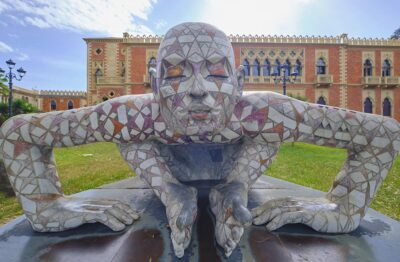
(372, 143)
(180, 201)
(229, 200)
(26, 143)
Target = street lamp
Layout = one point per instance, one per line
(281, 73)
(10, 76)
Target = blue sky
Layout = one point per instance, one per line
(45, 36)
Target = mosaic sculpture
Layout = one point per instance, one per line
(198, 126)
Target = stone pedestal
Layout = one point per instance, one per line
(377, 238)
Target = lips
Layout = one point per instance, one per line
(199, 113)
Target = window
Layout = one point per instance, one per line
(152, 63)
(387, 107)
(53, 105)
(321, 67)
(287, 67)
(367, 68)
(368, 105)
(276, 70)
(98, 72)
(256, 68)
(246, 67)
(105, 98)
(321, 100)
(70, 104)
(386, 68)
(266, 68)
(298, 67)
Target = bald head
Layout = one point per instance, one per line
(195, 81)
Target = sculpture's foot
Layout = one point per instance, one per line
(228, 203)
(319, 213)
(181, 210)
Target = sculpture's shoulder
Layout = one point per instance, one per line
(138, 101)
(258, 98)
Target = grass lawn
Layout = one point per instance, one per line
(84, 167)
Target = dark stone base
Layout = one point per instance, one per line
(148, 239)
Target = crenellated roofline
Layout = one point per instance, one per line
(275, 39)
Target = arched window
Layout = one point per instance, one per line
(321, 67)
(53, 105)
(298, 68)
(266, 68)
(368, 105)
(152, 63)
(246, 66)
(367, 68)
(70, 104)
(288, 67)
(386, 68)
(256, 68)
(321, 100)
(387, 107)
(98, 72)
(276, 70)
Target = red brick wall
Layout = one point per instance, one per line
(62, 103)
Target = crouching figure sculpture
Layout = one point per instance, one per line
(196, 115)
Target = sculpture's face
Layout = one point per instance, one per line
(196, 83)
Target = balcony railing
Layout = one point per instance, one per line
(267, 80)
(323, 80)
(103, 80)
(390, 81)
(371, 81)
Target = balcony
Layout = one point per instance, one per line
(323, 80)
(371, 81)
(390, 81)
(103, 80)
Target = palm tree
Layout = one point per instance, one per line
(4, 90)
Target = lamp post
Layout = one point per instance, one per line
(10, 76)
(281, 74)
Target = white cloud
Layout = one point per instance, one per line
(254, 16)
(22, 57)
(4, 48)
(160, 24)
(104, 16)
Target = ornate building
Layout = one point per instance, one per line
(47, 101)
(359, 74)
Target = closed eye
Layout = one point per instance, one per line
(217, 76)
(174, 77)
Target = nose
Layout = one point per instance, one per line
(197, 91)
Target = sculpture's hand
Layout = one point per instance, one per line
(181, 207)
(228, 203)
(64, 213)
(319, 213)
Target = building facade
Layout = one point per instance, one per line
(47, 101)
(358, 74)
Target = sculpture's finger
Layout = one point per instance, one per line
(179, 249)
(285, 218)
(270, 214)
(229, 247)
(132, 213)
(242, 214)
(108, 220)
(121, 215)
(186, 218)
(237, 233)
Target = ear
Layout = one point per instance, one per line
(240, 73)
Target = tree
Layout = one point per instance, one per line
(396, 34)
(4, 90)
(19, 107)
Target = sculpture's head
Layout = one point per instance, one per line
(195, 82)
